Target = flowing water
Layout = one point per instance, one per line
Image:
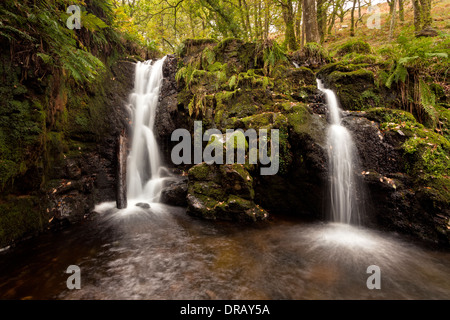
(344, 193)
(144, 170)
(162, 253)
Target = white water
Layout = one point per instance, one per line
(342, 157)
(144, 179)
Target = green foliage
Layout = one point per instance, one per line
(312, 55)
(19, 217)
(357, 58)
(42, 28)
(417, 62)
(185, 74)
(272, 55)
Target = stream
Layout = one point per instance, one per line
(162, 253)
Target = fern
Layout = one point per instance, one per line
(91, 22)
(272, 54)
(232, 82)
(400, 73)
(45, 57)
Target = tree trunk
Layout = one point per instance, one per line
(247, 18)
(121, 177)
(321, 19)
(242, 18)
(288, 17)
(426, 13)
(401, 10)
(392, 27)
(298, 20)
(302, 43)
(311, 27)
(359, 9)
(260, 23)
(417, 15)
(333, 17)
(352, 27)
(266, 19)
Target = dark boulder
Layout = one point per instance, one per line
(175, 194)
(223, 192)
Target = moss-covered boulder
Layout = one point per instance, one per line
(356, 46)
(20, 217)
(294, 81)
(353, 84)
(223, 192)
(312, 55)
(406, 168)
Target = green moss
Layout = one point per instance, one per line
(193, 46)
(204, 171)
(299, 117)
(312, 54)
(250, 80)
(357, 58)
(8, 170)
(355, 89)
(339, 78)
(295, 81)
(357, 46)
(286, 155)
(238, 204)
(216, 66)
(426, 153)
(342, 66)
(19, 217)
(258, 121)
(209, 189)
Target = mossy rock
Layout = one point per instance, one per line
(357, 58)
(239, 55)
(355, 90)
(209, 189)
(425, 151)
(342, 66)
(312, 55)
(19, 217)
(194, 46)
(259, 121)
(222, 192)
(301, 122)
(292, 81)
(237, 104)
(239, 209)
(236, 180)
(356, 46)
(204, 171)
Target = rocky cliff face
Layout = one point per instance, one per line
(229, 85)
(88, 176)
(73, 164)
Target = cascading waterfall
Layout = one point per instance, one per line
(144, 180)
(342, 157)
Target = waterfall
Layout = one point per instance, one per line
(344, 204)
(144, 180)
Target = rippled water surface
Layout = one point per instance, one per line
(162, 253)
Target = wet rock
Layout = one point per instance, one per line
(223, 192)
(143, 205)
(175, 194)
(395, 199)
